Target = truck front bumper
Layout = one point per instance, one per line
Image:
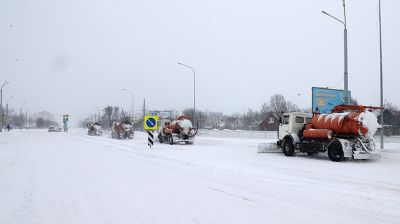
(365, 155)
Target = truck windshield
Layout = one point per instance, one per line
(285, 119)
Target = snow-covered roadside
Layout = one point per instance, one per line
(75, 178)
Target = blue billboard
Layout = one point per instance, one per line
(325, 99)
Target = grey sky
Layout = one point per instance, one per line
(69, 56)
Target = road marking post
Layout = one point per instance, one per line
(150, 124)
(150, 138)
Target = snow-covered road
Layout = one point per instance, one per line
(75, 178)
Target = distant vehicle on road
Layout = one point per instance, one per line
(122, 129)
(54, 129)
(94, 129)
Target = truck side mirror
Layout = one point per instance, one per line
(280, 120)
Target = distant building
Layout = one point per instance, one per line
(270, 123)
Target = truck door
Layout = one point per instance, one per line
(297, 123)
(284, 126)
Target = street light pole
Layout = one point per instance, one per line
(1, 104)
(381, 72)
(194, 87)
(133, 101)
(346, 75)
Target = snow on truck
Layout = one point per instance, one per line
(347, 132)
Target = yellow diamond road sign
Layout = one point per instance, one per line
(150, 122)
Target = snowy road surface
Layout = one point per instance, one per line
(75, 178)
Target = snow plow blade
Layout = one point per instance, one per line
(268, 147)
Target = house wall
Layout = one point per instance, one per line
(266, 124)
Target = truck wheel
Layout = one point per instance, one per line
(335, 151)
(288, 148)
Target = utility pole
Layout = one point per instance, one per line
(194, 87)
(144, 109)
(346, 74)
(1, 105)
(381, 72)
(133, 102)
(26, 119)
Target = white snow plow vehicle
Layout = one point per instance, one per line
(94, 129)
(178, 131)
(347, 132)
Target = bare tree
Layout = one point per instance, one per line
(188, 112)
(390, 107)
(291, 107)
(353, 101)
(214, 119)
(278, 104)
(108, 112)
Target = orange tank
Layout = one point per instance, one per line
(317, 133)
(340, 123)
(172, 127)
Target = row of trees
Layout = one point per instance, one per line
(391, 119)
(249, 120)
(204, 119)
(111, 114)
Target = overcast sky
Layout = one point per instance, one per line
(75, 56)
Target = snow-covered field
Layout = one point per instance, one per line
(75, 178)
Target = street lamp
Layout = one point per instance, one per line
(133, 98)
(381, 73)
(346, 88)
(1, 104)
(194, 87)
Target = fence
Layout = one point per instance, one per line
(238, 134)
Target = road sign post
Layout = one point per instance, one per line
(150, 138)
(65, 121)
(150, 124)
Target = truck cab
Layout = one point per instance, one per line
(291, 124)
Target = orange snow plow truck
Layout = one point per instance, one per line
(347, 132)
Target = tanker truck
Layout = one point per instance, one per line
(94, 129)
(347, 132)
(122, 129)
(180, 130)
